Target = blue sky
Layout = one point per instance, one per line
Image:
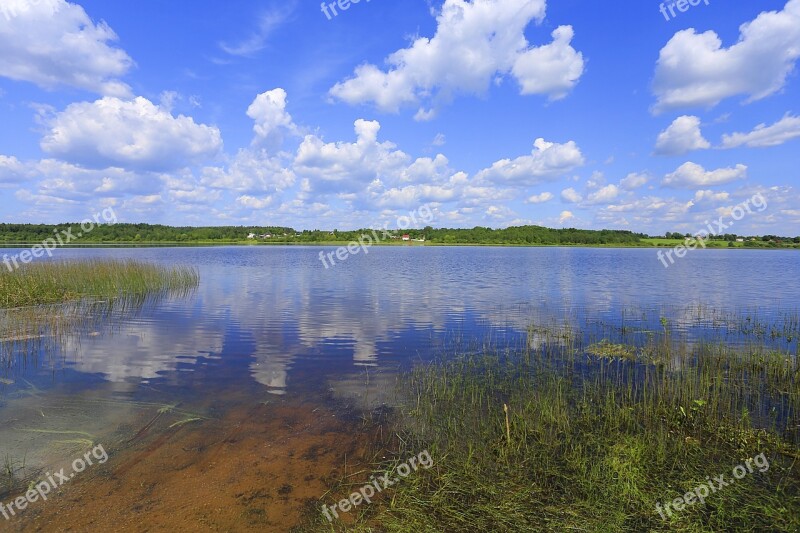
(491, 112)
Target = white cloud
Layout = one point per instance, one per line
(347, 167)
(12, 170)
(711, 196)
(439, 140)
(596, 180)
(252, 202)
(268, 111)
(268, 23)
(571, 196)
(784, 130)
(251, 171)
(634, 181)
(643, 213)
(552, 69)
(54, 43)
(547, 161)
(682, 136)
(475, 43)
(691, 175)
(131, 134)
(540, 198)
(604, 195)
(696, 70)
(412, 195)
(565, 216)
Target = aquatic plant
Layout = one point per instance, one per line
(552, 438)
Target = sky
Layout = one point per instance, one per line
(618, 115)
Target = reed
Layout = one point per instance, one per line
(59, 282)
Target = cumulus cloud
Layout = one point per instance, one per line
(131, 134)
(682, 136)
(54, 43)
(12, 170)
(784, 130)
(643, 213)
(694, 69)
(251, 202)
(691, 175)
(412, 195)
(268, 111)
(540, 198)
(711, 196)
(250, 171)
(343, 166)
(547, 161)
(571, 196)
(604, 195)
(634, 181)
(565, 216)
(475, 43)
(552, 69)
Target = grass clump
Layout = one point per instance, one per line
(60, 282)
(609, 350)
(552, 440)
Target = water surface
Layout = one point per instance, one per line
(272, 328)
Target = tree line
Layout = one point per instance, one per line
(154, 233)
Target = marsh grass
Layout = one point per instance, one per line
(593, 443)
(59, 282)
(41, 303)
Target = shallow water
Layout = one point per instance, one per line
(249, 379)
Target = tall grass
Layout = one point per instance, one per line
(42, 304)
(58, 282)
(567, 437)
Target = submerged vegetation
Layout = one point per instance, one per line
(41, 303)
(561, 436)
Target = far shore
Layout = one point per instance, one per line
(645, 243)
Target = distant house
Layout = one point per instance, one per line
(406, 237)
(739, 240)
(251, 236)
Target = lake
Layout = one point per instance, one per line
(275, 354)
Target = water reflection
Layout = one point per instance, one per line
(275, 307)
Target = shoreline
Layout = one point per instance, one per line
(205, 244)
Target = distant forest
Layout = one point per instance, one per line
(148, 233)
(519, 235)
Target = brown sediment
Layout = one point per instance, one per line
(255, 468)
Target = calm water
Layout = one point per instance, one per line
(271, 322)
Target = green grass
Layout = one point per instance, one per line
(42, 304)
(60, 282)
(592, 443)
